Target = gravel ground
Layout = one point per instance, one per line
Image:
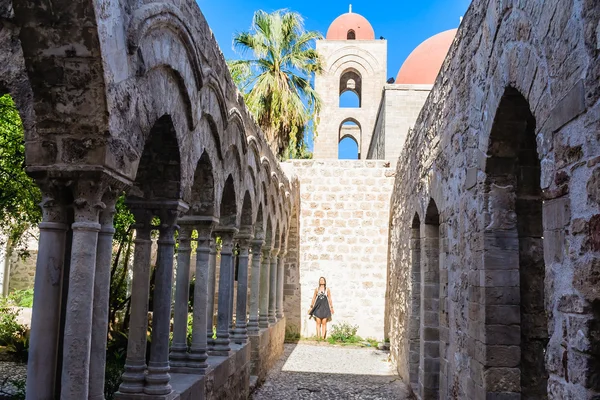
(308, 371)
(8, 371)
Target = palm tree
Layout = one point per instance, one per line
(276, 82)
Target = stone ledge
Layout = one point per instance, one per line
(220, 379)
(267, 348)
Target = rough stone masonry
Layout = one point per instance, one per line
(495, 241)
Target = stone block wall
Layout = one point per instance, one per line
(266, 349)
(22, 271)
(400, 107)
(498, 188)
(343, 228)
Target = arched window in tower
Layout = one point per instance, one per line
(350, 89)
(351, 35)
(349, 140)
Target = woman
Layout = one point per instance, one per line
(321, 308)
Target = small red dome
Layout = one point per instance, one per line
(423, 65)
(339, 28)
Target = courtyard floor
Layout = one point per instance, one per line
(309, 371)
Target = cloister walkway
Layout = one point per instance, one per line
(309, 371)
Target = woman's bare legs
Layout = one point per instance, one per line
(324, 328)
(319, 321)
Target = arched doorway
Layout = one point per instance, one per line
(516, 325)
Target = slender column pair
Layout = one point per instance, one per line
(273, 286)
(212, 284)
(263, 319)
(194, 360)
(156, 380)
(202, 314)
(224, 316)
(280, 275)
(179, 348)
(240, 334)
(256, 287)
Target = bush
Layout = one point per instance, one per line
(22, 298)
(344, 332)
(292, 333)
(10, 329)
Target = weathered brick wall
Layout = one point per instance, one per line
(460, 182)
(344, 219)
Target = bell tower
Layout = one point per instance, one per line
(355, 62)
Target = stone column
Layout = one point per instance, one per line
(178, 355)
(240, 333)
(198, 350)
(279, 297)
(211, 283)
(75, 379)
(157, 378)
(45, 319)
(254, 293)
(135, 364)
(263, 319)
(224, 316)
(234, 259)
(273, 286)
(101, 297)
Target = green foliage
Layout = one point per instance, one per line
(292, 333)
(344, 333)
(10, 329)
(22, 298)
(18, 349)
(112, 377)
(19, 197)
(276, 82)
(13, 335)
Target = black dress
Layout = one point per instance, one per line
(321, 308)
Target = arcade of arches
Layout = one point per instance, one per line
(491, 236)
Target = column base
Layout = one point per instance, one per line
(157, 381)
(178, 356)
(133, 379)
(190, 370)
(221, 353)
(143, 396)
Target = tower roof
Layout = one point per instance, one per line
(339, 28)
(423, 64)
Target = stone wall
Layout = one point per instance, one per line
(226, 378)
(495, 211)
(22, 271)
(267, 348)
(344, 217)
(399, 109)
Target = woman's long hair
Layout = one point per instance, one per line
(325, 284)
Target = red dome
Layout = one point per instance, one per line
(423, 65)
(339, 28)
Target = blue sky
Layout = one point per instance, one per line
(405, 24)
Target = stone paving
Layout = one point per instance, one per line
(309, 371)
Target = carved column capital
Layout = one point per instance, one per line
(256, 245)
(244, 241)
(226, 235)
